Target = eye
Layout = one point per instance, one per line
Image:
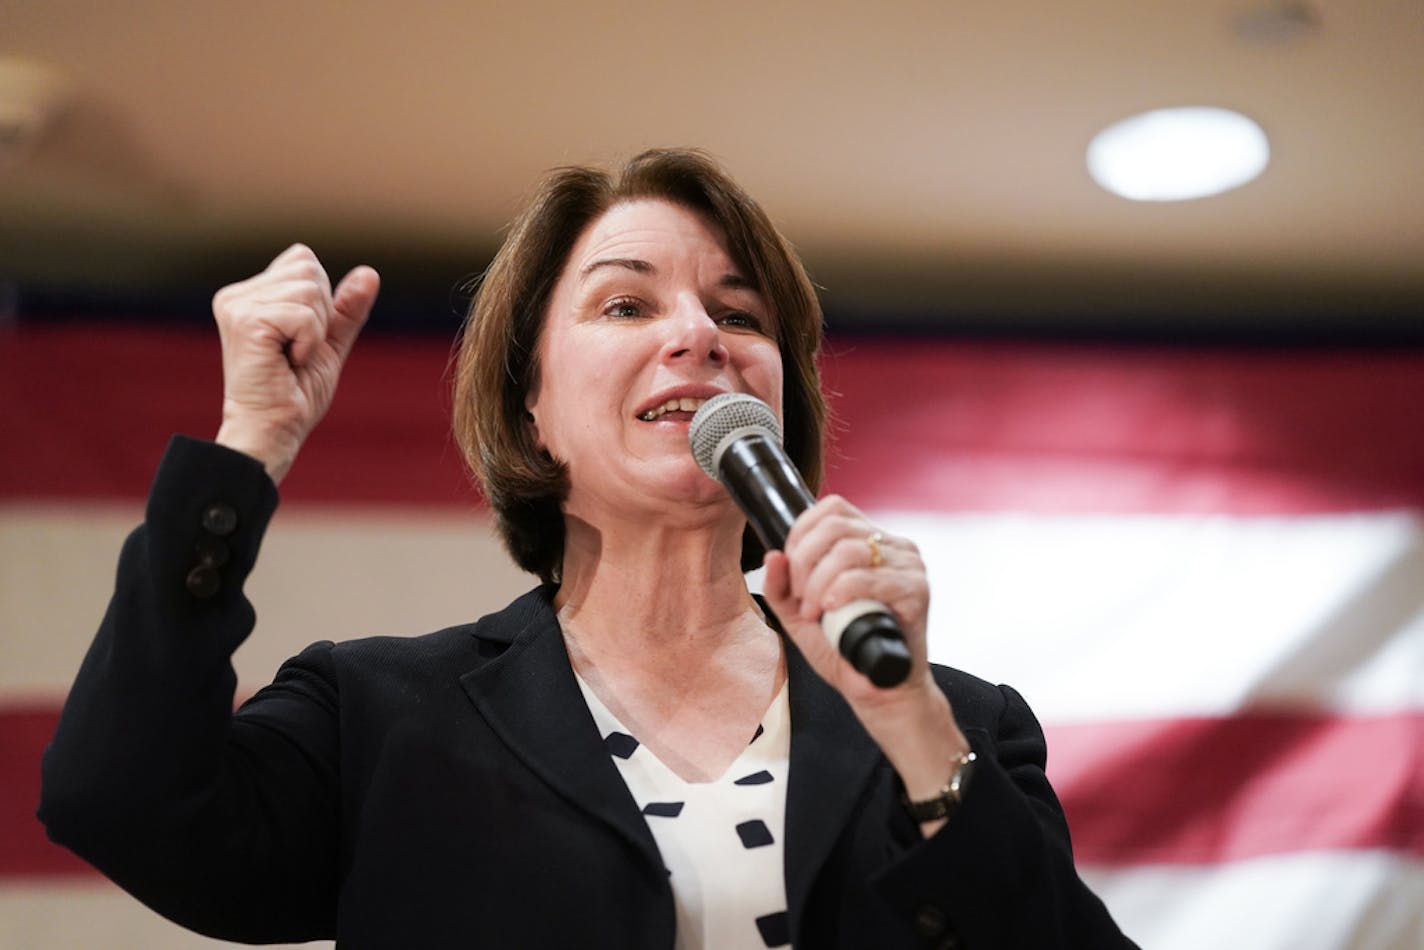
(624, 307)
(741, 320)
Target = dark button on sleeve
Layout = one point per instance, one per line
(211, 551)
(930, 921)
(220, 519)
(203, 581)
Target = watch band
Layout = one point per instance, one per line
(949, 797)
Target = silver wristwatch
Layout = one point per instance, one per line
(949, 797)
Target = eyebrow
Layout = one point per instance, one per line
(632, 264)
(729, 281)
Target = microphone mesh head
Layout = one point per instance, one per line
(723, 415)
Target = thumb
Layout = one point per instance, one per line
(351, 303)
(776, 584)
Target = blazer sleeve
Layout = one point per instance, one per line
(1000, 872)
(224, 825)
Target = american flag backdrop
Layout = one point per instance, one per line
(1203, 567)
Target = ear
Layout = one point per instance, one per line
(533, 424)
(531, 406)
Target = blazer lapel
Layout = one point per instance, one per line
(529, 697)
(832, 757)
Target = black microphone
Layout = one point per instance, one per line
(737, 441)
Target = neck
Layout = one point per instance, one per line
(653, 586)
(658, 621)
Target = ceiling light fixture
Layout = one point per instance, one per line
(32, 98)
(1178, 154)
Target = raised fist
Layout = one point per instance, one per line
(285, 336)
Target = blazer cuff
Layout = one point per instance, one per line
(988, 848)
(207, 512)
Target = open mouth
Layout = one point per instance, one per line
(682, 408)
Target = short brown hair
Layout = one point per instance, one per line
(496, 362)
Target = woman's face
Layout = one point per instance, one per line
(649, 318)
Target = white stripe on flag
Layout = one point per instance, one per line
(324, 574)
(93, 913)
(1322, 901)
(1120, 617)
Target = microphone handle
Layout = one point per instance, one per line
(770, 492)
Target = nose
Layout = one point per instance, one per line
(693, 335)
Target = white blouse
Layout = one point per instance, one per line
(721, 840)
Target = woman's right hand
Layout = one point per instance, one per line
(285, 336)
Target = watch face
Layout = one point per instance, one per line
(959, 782)
(943, 804)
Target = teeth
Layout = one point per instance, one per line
(683, 404)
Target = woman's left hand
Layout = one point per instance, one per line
(834, 555)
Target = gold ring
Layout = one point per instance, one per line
(877, 556)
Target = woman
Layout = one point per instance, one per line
(637, 753)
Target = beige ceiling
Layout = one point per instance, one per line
(926, 156)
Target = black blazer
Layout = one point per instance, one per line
(452, 789)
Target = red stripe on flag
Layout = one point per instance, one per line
(93, 408)
(1200, 791)
(25, 851)
(929, 425)
(1191, 791)
(937, 425)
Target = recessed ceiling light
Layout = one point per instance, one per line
(1280, 21)
(32, 97)
(1177, 154)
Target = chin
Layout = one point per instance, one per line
(682, 484)
(696, 486)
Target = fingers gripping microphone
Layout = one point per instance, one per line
(737, 440)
